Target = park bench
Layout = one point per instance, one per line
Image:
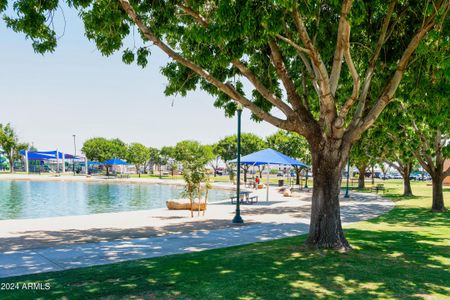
(378, 187)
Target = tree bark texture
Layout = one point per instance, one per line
(438, 195)
(297, 175)
(407, 190)
(362, 177)
(325, 228)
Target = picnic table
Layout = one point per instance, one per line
(245, 197)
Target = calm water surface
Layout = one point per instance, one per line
(38, 199)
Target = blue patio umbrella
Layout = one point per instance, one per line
(269, 157)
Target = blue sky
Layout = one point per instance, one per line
(76, 90)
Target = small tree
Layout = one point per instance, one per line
(194, 175)
(101, 149)
(227, 149)
(192, 151)
(154, 158)
(167, 158)
(10, 144)
(138, 155)
(214, 163)
(194, 158)
(393, 146)
(363, 156)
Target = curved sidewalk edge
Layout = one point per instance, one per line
(14, 263)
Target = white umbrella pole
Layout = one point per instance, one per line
(57, 161)
(268, 181)
(27, 168)
(63, 163)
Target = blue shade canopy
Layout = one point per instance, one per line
(94, 163)
(269, 157)
(43, 155)
(115, 161)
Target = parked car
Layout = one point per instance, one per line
(395, 176)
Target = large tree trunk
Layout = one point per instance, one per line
(325, 229)
(245, 169)
(260, 170)
(407, 190)
(362, 177)
(11, 166)
(438, 195)
(297, 175)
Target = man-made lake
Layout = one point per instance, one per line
(39, 199)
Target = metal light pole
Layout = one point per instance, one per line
(348, 176)
(74, 153)
(306, 178)
(237, 218)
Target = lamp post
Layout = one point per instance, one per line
(348, 176)
(237, 218)
(306, 178)
(74, 153)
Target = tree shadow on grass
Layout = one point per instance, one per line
(400, 197)
(413, 216)
(384, 264)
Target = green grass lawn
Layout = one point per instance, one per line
(404, 254)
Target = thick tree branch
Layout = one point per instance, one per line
(392, 165)
(429, 168)
(422, 149)
(358, 126)
(341, 43)
(301, 53)
(292, 95)
(447, 172)
(286, 109)
(372, 63)
(293, 44)
(277, 60)
(376, 54)
(267, 94)
(305, 93)
(194, 14)
(223, 87)
(355, 76)
(327, 103)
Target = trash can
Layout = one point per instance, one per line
(280, 182)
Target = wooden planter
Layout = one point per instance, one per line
(184, 204)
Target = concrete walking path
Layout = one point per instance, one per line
(279, 221)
